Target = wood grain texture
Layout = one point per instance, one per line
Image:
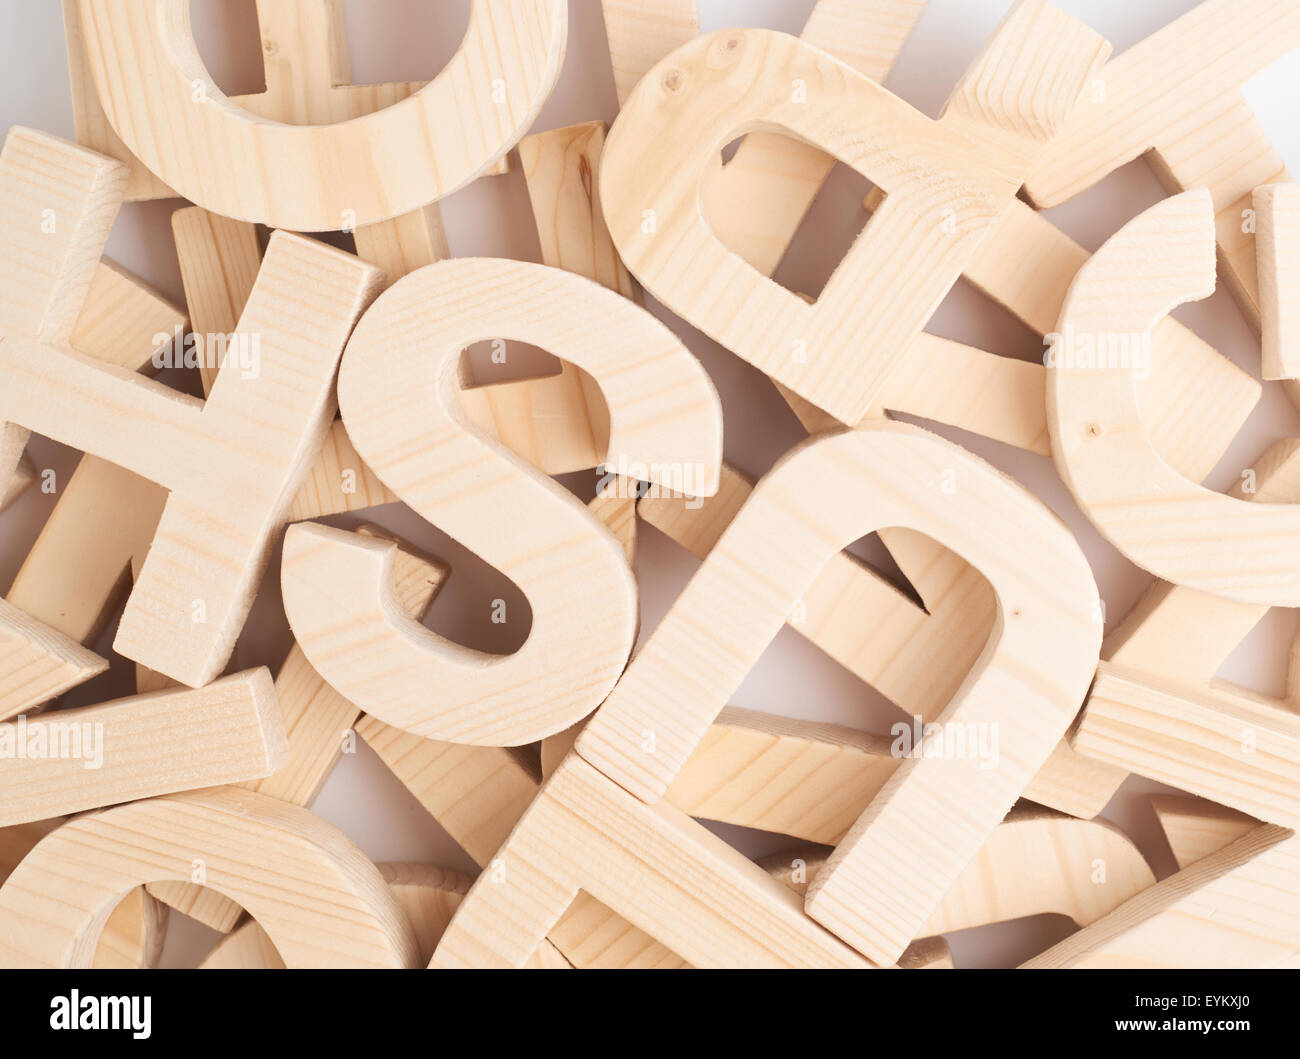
(23, 478)
(427, 895)
(735, 80)
(478, 794)
(1239, 907)
(78, 571)
(1159, 519)
(317, 721)
(756, 202)
(1196, 828)
(915, 655)
(585, 833)
(38, 663)
(75, 575)
(246, 948)
(1277, 241)
(359, 165)
(1036, 862)
(57, 203)
(229, 471)
(1181, 636)
(1226, 744)
(136, 929)
(881, 474)
(1176, 98)
(321, 901)
(91, 123)
(641, 32)
(141, 746)
(665, 418)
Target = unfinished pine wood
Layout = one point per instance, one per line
(316, 721)
(246, 948)
(23, 479)
(1196, 828)
(478, 794)
(730, 81)
(641, 32)
(756, 202)
(78, 571)
(219, 260)
(585, 833)
(665, 419)
(1229, 745)
(1196, 399)
(214, 910)
(916, 656)
(1027, 266)
(345, 171)
(1180, 634)
(91, 123)
(38, 663)
(320, 900)
(1160, 520)
(561, 170)
(882, 474)
(1038, 862)
(75, 575)
(1035, 862)
(1176, 98)
(809, 781)
(316, 717)
(48, 266)
(223, 462)
(135, 931)
(1277, 215)
(1239, 907)
(137, 747)
(427, 895)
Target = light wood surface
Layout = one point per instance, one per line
(1277, 241)
(38, 663)
(1196, 828)
(666, 704)
(190, 602)
(1175, 98)
(915, 655)
(321, 901)
(1036, 862)
(641, 32)
(742, 78)
(1236, 748)
(1239, 907)
(427, 895)
(665, 418)
(142, 746)
(1159, 519)
(136, 929)
(355, 165)
(694, 893)
(75, 575)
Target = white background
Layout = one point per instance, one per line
(394, 40)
